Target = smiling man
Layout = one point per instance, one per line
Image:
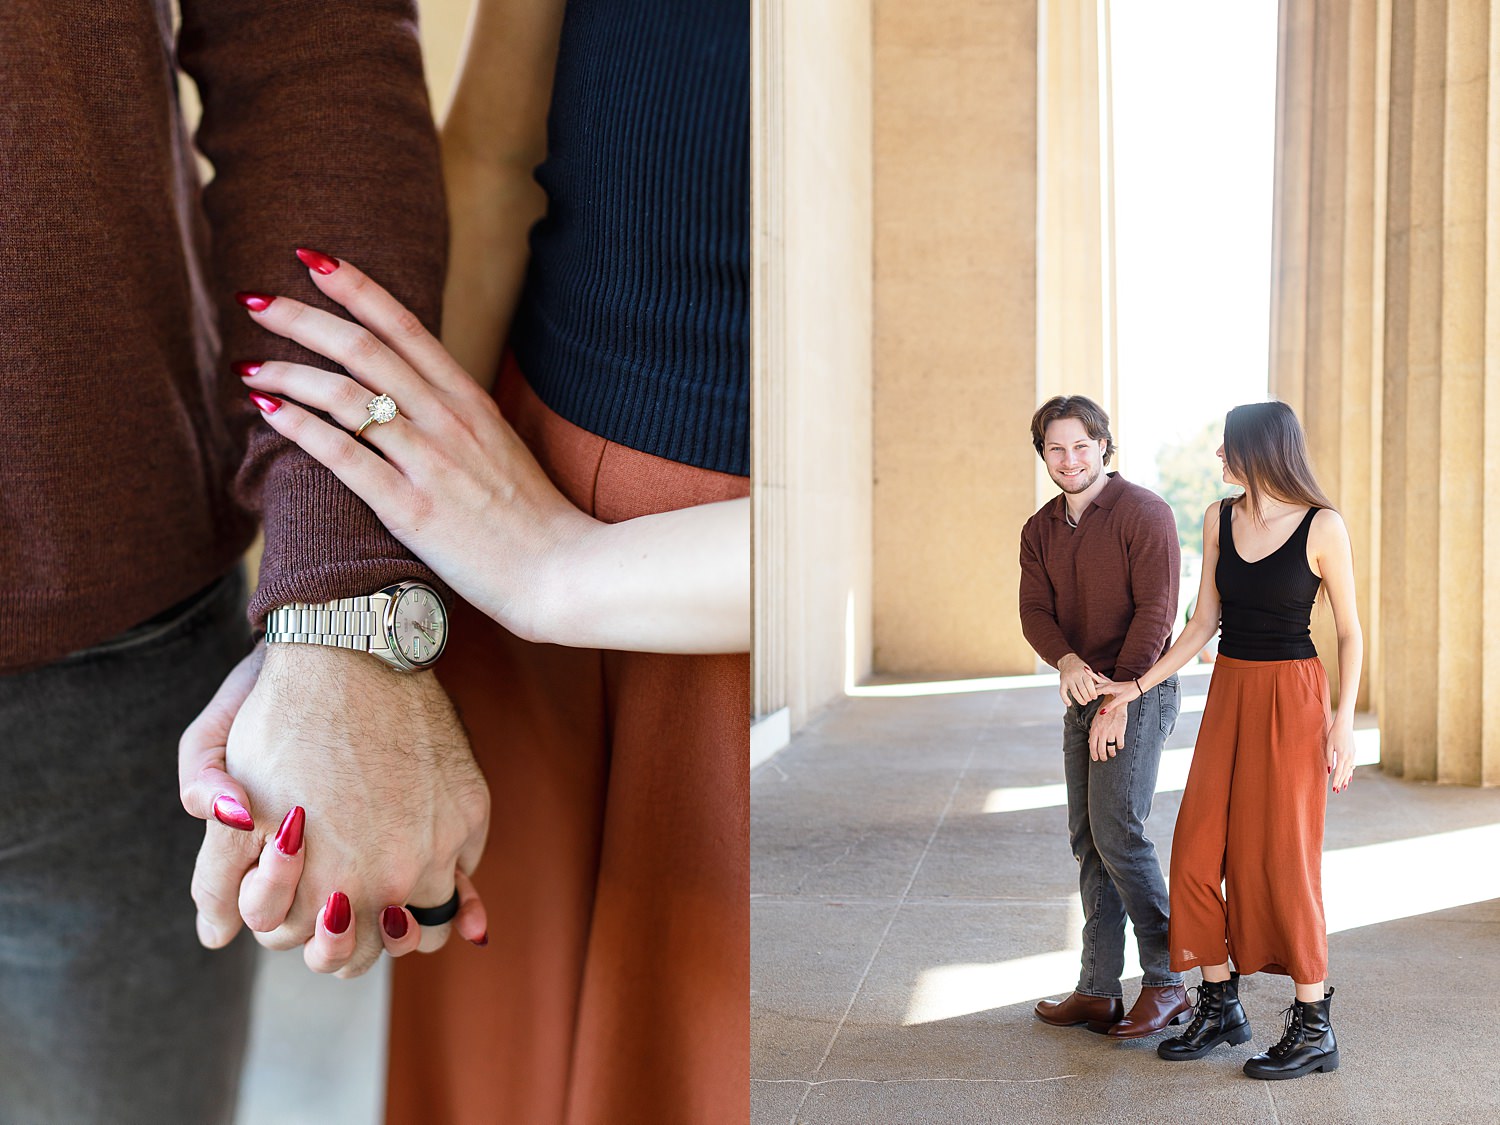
(1099, 568)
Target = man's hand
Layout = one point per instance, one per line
(1076, 680)
(1107, 733)
(394, 802)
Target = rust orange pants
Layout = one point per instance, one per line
(1252, 819)
(615, 986)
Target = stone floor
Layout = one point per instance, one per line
(913, 896)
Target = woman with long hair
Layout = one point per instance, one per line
(1252, 813)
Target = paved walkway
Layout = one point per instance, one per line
(913, 896)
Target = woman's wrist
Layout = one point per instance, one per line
(562, 591)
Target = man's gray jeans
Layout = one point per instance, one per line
(1119, 874)
(110, 1010)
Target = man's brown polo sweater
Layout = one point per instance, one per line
(1107, 589)
(133, 466)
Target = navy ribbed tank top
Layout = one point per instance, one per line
(635, 319)
(1266, 605)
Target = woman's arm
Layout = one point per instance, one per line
(1198, 632)
(671, 582)
(494, 135)
(1328, 543)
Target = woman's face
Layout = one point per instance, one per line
(1229, 477)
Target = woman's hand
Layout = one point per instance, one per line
(447, 475)
(1340, 752)
(1124, 693)
(453, 481)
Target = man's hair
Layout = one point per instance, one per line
(1086, 410)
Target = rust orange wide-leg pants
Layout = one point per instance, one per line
(615, 986)
(1252, 818)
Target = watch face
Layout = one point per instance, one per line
(419, 625)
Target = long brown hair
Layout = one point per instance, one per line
(1264, 448)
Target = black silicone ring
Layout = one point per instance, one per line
(435, 915)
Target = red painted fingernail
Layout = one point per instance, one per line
(336, 914)
(265, 402)
(393, 922)
(245, 370)
(318, 263)
(289, 835)
(232, 814)
(482, 940)
(255, 302)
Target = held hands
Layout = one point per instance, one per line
(1124, 693)
(366, 767)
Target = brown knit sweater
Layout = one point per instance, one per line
(133, 466)
(1107, 589)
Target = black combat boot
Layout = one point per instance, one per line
(1217, 1018)
(1307, 1044)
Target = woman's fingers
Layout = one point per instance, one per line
(390, 320)
(472, 922)
(369, 476)
(345, 401)
(357, 349)
(268, 889)
(332, 943)
(399, 931)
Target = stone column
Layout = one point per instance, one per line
(811, 142)
(970, 305)
(1388, 343)
(1329, 224)
(1076, 353)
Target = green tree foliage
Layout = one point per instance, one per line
(1189, 479)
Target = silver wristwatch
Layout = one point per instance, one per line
(406, 625)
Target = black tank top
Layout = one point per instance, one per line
(1267, 605)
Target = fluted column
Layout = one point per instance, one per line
(1386, 338)
(1076, 353)
(812, 369)
(1329, 235)
(1292, 179)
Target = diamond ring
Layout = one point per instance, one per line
(382, 409)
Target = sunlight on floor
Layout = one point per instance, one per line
(1362, 886)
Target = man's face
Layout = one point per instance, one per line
(1074, 460)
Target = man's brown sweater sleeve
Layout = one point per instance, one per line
(1155, 562)
(1039, 604)
(316, 121)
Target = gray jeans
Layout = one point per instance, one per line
(110, 1010)
(1118, 872)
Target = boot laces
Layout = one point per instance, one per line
(1200, 1011)
(1292, 1029)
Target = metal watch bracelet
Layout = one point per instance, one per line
(347, 623)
